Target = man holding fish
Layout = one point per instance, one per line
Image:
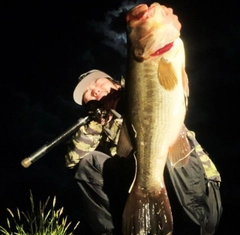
(137, 142)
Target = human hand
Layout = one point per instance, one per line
(100, 110)
(95, 109)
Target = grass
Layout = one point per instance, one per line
(38, 222)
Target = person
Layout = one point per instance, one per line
(104, 176)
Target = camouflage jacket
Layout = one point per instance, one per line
(92, 137)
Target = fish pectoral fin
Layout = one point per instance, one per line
(166, 75)
(179, 152)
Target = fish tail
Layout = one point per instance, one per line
(147, 213)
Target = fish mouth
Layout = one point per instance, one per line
(138, 16)
(141, 12)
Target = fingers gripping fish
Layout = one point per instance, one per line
(156, 92)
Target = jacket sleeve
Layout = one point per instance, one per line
(209, 167)
(86, 139)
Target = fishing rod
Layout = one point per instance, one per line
(47, 147)
(94, 108)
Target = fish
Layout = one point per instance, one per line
(157, 91)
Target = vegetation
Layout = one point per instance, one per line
(39, 222)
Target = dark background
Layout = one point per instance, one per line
(46, 46)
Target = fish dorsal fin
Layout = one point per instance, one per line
(166, 75)
(179, 152)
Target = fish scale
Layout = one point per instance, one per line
(148, 113)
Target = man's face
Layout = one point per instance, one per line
(99, 88)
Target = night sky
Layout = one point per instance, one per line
(46, 46)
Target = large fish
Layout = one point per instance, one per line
(157, 90)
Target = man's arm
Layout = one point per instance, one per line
(86, 139)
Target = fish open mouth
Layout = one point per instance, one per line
(141, 12)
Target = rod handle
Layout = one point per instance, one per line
(26, 162)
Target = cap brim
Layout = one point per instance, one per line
(85, 82)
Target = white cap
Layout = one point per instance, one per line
(85, 80)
